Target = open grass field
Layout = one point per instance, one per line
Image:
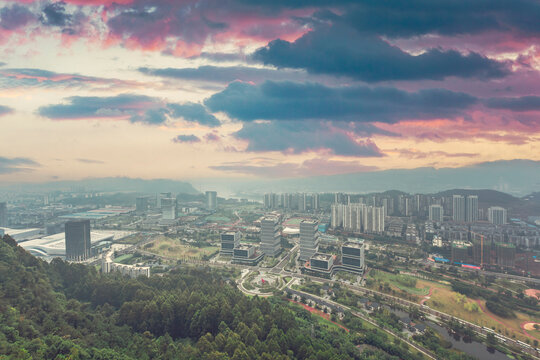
(173, 248)
(124, 259)
(218, 219)
(444, 299)
(402, 282)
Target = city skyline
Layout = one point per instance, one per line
(204, 89)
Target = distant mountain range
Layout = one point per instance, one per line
(516, 177)
(112, 184)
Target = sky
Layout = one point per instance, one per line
(199, 89)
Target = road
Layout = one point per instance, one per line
(279, 269)
(333, 305)
(485, 272)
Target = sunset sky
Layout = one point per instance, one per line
(253, 88)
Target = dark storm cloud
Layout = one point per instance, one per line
(342, 51)
(299, 101)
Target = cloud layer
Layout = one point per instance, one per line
(135, 108)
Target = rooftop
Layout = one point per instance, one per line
(319, 256)
(354, 244)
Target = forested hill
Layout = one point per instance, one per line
(69, 311)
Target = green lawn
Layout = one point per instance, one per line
(124, 259)
(399, 281)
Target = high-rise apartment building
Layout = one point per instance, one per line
(497, 215)
(211, 200)
(78, 245)
(168, 208)
(3, 214)
(373, 221)
(436, 213)
(270, 236)
(458, 208)
(471, 208)
(309, 241)
(141, 204)
(302, 202)
(336, 219)
(315, 202)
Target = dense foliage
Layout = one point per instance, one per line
(61, 310)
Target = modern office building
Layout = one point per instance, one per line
(436, 213)
(168, 208)
(270, 236)
(321, 262)
(247, 255)
(141, 204)
(133, 271)
(309, 240)
(497, 215)
(78, 245)
(211, 200)
(458, 208)
(352, 255)
(3, 214)
(163, 195)
(229, 241)
(471, 208)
